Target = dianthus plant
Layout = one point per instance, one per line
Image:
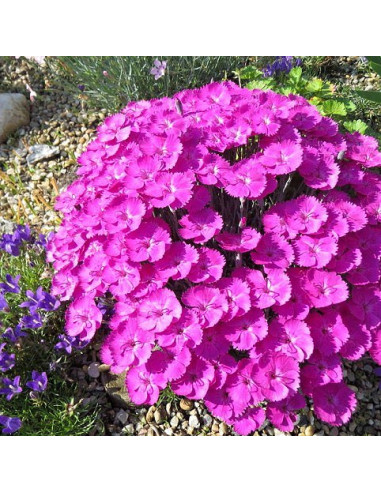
(236, 236)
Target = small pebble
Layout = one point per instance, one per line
(223, 429)
(93, 370)
(150, 414)
(160, 415)
(122, 416)
(310, 430)
(207, 420)
(186, 404)
(215, 428)
(194, 422)
(129, 429)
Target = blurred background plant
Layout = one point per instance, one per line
(110, 82)
(373, 96)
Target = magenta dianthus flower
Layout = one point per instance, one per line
(144, 387)
(324, 288)
(209, 304)
(200, 226)
(282, 413)
(273, 251)
(195, 382)
(208, 268)
(157, 311)
(277, 376)
(244, 332)
(128, 345)
(83, 318)
(334, 403)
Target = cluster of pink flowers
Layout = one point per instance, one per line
(236, 235)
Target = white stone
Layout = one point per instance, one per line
(14, 112)
(207, 419)
(194, 422)
(39, 153)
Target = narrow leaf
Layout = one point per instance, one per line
(374, 96)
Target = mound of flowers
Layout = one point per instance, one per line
(235, 237)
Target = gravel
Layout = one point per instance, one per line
(61, 127)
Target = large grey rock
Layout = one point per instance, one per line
(40, 152)
(14, 112)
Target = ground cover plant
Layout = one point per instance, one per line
(35, 396)
(232, 239)
(287, 75)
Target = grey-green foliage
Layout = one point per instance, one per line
(128, 78)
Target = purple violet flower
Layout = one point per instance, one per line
(10, 245)
(33, 321)
(67, 343)
(10, 387)
(3, 303)
(42, 240)
(158, 70)
(11, 242)
(22, 233)
(11, 284)
(10, 424)
(39, 381)
(13, 334)
(281, 64)
(49, 303)
(7, 361)
(34, 300)
(40, 300)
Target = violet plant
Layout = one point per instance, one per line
(235, 234)
(33, 395)
(281, 64)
